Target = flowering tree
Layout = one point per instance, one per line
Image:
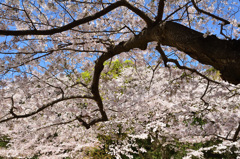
(76, 72)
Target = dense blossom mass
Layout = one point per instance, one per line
(119, 79)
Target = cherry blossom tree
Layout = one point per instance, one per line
(74, 72)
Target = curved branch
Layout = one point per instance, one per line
(138, 41)
(16, 116)
(210, 14)
(88, 125)
(80, 21)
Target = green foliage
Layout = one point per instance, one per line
(86, 76)
(96, 153)
(210, 154)
(174, 149)
(198, 121)
(115, 68)
(35, 157)
(158, 148)
(102, 152)
(4, 140)
(213, 73)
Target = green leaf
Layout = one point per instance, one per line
(86, 76)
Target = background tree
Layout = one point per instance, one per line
(58, 62)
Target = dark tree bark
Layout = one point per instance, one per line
(223, 55)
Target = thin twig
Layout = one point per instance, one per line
(28, 17)
(166, 60)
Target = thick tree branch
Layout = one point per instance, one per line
(138, 41)
(221, 54)
(80, 21)
(85, 124)
(210, 50)
(160, 11)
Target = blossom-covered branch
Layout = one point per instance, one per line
(43, 107)
(80, 21)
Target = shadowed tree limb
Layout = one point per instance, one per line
(222, 54)
(160, 11)
(80, 21)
